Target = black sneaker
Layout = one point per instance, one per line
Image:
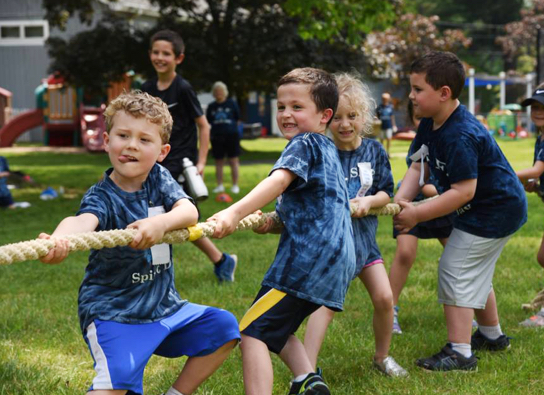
(313, 384)
(447, 359)
(479, 341)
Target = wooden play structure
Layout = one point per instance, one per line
(61, 113)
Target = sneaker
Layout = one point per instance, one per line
(218, 189)
(447, 360)
(479, 341)
(390, 367)
(235, 189)
(535, 321)
(225, 271)
(396, 326)
(313, 384)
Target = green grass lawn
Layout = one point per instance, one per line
(42, 351)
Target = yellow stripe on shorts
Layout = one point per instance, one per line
(261, 306)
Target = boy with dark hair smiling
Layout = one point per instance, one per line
(482, 186)
(315, 260)
(166, 53)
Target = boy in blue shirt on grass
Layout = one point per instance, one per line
(481, 186)
(315, 260)
(129, 308)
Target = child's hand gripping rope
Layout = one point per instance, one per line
(40, 248)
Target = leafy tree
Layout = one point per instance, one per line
(391, 52)
(519, 43)
(94, 58)
(481, 20)
(247, 44)
(345, 20)
(495, 12)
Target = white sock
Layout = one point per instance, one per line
(462, 348)
(491, 332)
(300, 378)
(173, 391)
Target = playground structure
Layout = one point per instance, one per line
(60, 111)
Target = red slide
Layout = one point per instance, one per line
(18, 125)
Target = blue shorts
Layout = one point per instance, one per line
(274, 316)
(121, 351)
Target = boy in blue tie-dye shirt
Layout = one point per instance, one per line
(315, 260)
(129, 308)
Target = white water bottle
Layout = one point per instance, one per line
(197, 188)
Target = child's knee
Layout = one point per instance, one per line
(383, 301)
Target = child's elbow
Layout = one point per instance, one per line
(192, 214)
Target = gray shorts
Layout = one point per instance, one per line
(466, 268)
(386, 134)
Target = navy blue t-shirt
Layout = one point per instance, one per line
(184, 107)
(121, 284)
(385, 112)
(364, 228)
(223, 117)
(539, 155)
(462, 149)
(315, 260)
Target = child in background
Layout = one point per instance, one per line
(482, 186)
(128, 305)
(315, 260)
(405, 255)
(6, 200)
(533, 177)
(370, 185)
(166, 52)
(223, 115)
(385, 113)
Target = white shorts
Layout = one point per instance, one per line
(386, 134)
(465, 271)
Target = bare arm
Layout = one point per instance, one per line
(460, 194)
(409, 188)
(266, 191)
(429, 190)
(151, 230)
(365, 203)
(203, 141)
(532, 172)
(78, 224)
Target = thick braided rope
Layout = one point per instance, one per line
(35, 249)
(538, 301)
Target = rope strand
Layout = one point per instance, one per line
(37, 248)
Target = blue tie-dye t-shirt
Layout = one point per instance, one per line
(462, 149)
(121, 283)
(539, 155)
(315, 260)
(364, 228)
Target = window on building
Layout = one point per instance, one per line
(15, 33)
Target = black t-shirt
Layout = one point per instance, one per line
(185, 108)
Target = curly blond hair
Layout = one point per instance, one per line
(140, 104)
(359, 97)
